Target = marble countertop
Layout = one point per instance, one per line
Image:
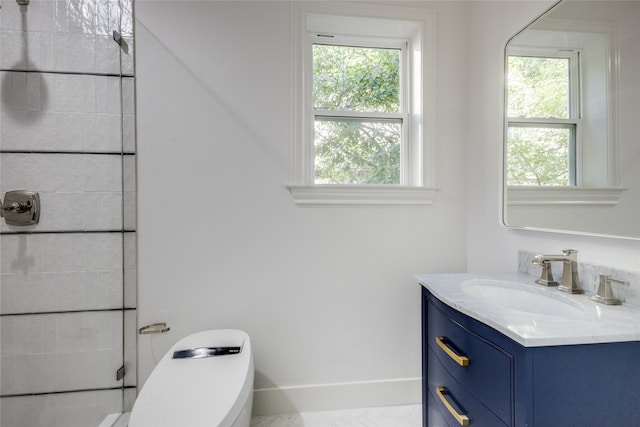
(587, 322)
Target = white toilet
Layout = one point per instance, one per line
(204, 380)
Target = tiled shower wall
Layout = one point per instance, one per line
(68, 284)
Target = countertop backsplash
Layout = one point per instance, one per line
(589, 275)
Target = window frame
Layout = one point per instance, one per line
(350, 23)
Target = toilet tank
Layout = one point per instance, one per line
(204, 380)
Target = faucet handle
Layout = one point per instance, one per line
(546, 278)
(605, 294)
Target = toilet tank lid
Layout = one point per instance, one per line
(197, 392)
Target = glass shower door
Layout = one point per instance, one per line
(67, 283)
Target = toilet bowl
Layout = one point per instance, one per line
(204, 380)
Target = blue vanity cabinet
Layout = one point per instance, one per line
(506, 384)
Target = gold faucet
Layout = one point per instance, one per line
(570, 282)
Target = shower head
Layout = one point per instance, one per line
(23, 2)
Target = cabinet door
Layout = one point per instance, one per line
(587, 385)
(488, 373)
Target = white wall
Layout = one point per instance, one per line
(491, 247)
(326, 294)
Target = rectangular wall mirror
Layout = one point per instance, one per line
(572, 120)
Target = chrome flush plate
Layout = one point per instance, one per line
(21, 207)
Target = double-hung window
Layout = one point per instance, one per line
(363, 84)
(561, 144)
(358, 113)
(543, 109)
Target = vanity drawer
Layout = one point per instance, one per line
(434, 417)
(487, 372)
(445, 390)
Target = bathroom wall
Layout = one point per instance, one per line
(490, 246)
(326, 294)
(67, 284)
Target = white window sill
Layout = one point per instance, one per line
(563, 196)
(323, 195)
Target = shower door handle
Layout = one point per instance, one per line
(20, 207)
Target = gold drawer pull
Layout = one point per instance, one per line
(462, 419)
(460, 360)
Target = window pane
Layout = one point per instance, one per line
(538, 87)
(356, 79)
(357, 151)
(539, 156)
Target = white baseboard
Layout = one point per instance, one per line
(326, 397)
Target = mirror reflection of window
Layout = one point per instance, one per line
(543, 118)
(571, 120)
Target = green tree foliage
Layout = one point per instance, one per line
(356, 150)
(538, 156)
(538, 88)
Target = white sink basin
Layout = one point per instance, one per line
(516, 296)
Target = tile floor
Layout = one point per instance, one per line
(389, 416)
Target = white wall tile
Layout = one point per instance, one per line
(34, 52)
(51, 112)
(130, 395)
(10, 18)
(128, 134)
(61, 16)
(130, 270)
(81, 16)
(103, 22)
(107, 53)
(84, 53)
(108, 95)
(88, 351)
(60, 410)
(47, 15)
(107, 133)
(127, 17)
(77, 192)
(14, 88)
(62, 44)
(36, 97)
(128, 94)
(61, 272)
(47, 52)
(129, 210)
(70, 35)
(82, 93)
(126, 59)
(42, 272)
(59, 92)
(108, 213)
(13, 45)
(130, 195)
(130, 347)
